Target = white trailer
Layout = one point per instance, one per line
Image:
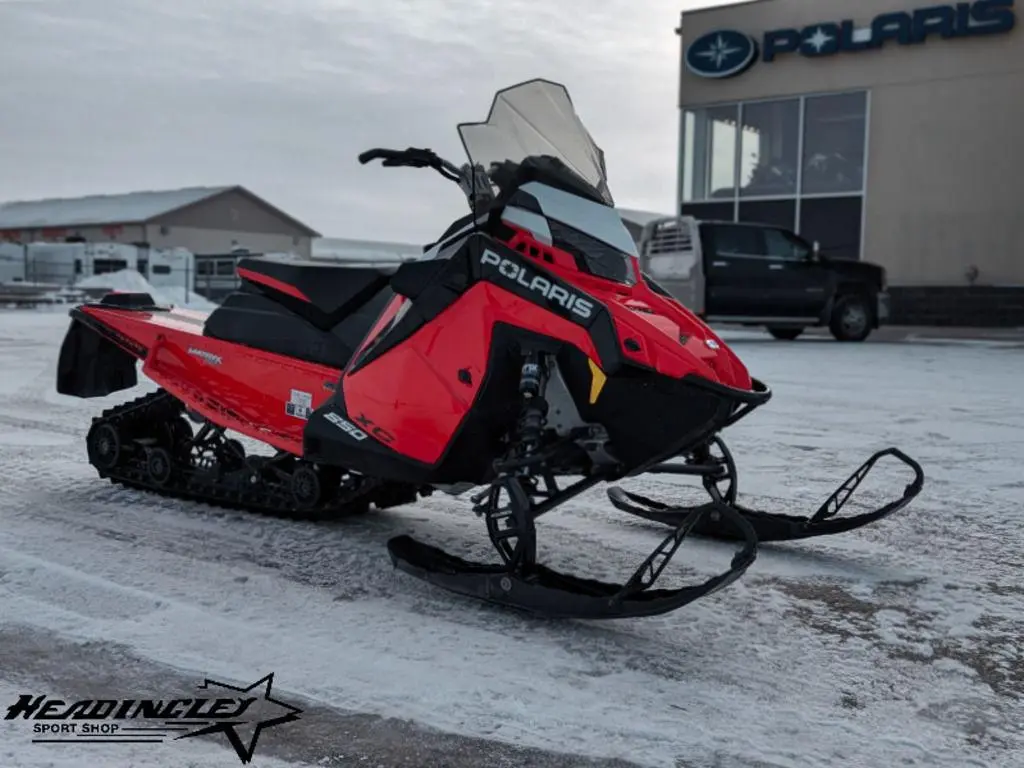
(12, 263)
(168, 268)
(67, 263)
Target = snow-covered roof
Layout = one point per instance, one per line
(93, 210)
(348, 249)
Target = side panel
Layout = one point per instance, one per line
(437, 386)
(421, 391)
(262, 395)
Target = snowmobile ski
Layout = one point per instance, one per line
(768, 526)
(524, 584)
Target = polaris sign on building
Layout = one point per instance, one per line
(886, 130)
(726, 52)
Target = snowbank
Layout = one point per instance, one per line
(131, 280)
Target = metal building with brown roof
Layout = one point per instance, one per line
(204, 220)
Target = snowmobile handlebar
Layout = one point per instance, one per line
(474, 182)
(413, 157)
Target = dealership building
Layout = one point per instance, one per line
(887, 130)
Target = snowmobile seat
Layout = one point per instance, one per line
(255, 320)
(321, 293)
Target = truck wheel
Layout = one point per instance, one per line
(785, 334)
(851, 319)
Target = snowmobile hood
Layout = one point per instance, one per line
(666, 336)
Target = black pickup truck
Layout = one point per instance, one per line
(761, 275)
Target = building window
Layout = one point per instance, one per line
(834, 148)
(779, 213)
(769, 148)
(709, 166)
(104, 266)
(835, 222)
(796, 163)
(711, 211)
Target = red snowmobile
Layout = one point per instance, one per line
(525, 353)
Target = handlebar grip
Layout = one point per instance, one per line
(379, 154)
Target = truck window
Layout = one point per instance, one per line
(782, 245)
(733, 240)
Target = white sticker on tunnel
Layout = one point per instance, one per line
(300, 405)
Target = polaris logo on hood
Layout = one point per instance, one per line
(532, 281)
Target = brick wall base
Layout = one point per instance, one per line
(975, 307)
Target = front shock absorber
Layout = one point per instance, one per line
(533, 379)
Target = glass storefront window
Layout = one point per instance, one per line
(835, 222)
(769, 148)
(834, 143)
(780, 213)
(742, 162)
(709, 153)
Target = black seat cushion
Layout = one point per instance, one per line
(254, 320)
(260, 322)
(321, 293)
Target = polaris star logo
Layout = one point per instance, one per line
(538, 283)
(722, 53)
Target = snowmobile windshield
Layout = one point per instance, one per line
(534, 133)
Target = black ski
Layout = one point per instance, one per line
(770, 526)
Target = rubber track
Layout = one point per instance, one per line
(141, 417)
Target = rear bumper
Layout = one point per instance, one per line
(882, 308)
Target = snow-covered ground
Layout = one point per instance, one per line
(899, 644)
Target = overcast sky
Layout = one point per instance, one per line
(280, 96)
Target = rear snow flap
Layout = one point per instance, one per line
(91, 365)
